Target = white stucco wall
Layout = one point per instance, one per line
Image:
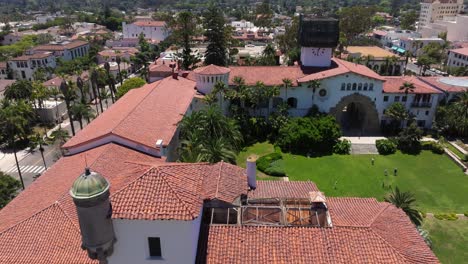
(205, 83)
(179, 240)
(317, 57)
(134, 31)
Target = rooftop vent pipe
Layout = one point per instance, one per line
(252, 172)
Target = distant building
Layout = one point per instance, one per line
(458, 58)
(390, 38)
(154, 30)
(432, 10)
(24, 67)
(375, 57)
(110, 55)
(415, 45)
(242, 24)
(66, 50)
(455, 27)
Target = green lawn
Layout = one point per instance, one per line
(438, 184)
(258, 149)
(448, 239)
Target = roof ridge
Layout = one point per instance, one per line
(219, 178)
(156, 84)
(184, 203)
(133, 181)
(27, 218)
(388, 243)
(67, 216)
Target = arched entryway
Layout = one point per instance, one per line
(357, 115)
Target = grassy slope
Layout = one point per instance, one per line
(449, 239)
(258, 149)
(438, 184)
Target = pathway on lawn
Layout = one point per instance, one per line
(363, 145)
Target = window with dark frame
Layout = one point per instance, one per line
(385, 98)
(154, 244)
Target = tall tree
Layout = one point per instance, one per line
(19, 90)
(8, 188)
(37, 140)
(69, 95)
(355, 20)
(184, 28)
(216, 36)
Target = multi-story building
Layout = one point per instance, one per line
(458, 58)
(66, 50)
(24, 67)
(378, 59)
(432, 10)
(154, 30)
(390, 38)
(415, 45)
(455, 27)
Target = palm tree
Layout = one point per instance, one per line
(39, 93)
(69, 96)
(80, 111)
(54, 92)
(314, 84)
(119, 60)
(407, 87)
(36, 140)
(15, 118)
(110, 81)
(405, 201)
(105, 95)
(19, 90)
(216, 150)
(287, 83)
(95, 89)
(60, 135)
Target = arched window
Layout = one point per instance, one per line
(354, 86)
(292, 102)
(277, 101)
(365, 87)
(371, 87)
(348, 87)
(343, 86)
(359, 87)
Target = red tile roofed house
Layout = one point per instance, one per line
(3, 70)
(155, 30)
(159, 71)
(140, 119)
(24, 67)
(450, 86)
(65, 50)
(422, 101)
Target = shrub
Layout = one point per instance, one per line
(276, 168)
(409, 139)
(465, 157)
(466, 214)
(305, 135)
(433, 146)
(129, 84)
(342, 147)
(446, 216)
(385, 146)
(265, 161)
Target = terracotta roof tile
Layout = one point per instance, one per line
(282, 189)
(46, 237)
(35, 56)
(461, 51)
(393, 84)
(436, 83)
(177, 191)
(3, 65)
(149, 23)
(261, 244)
(212, 70)
(269, 75)
(354, 212)
(143, 115)
(343, 67)
(61, 47)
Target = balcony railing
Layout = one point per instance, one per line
(421, 104)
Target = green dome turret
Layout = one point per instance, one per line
(89, 185)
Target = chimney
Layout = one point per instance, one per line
(252, 172)
(160, 146)
(90, 193)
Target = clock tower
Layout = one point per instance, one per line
(318, 38)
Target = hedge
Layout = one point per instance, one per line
(271, 164)
(433, 146)
(342, 147)
(385, 146)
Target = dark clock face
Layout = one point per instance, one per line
(318, 51)
(323, 92)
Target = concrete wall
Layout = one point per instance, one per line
(179, 241)
(457, 60)
(52, 113)
(205, 83)
(28, 69)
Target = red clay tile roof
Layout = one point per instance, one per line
(393, 84)
(436, 83)
(177, 191)
(46, 237)
(35, 56)
(4, 84)
(60, 47)
(159, 68)
(143, 115)
(380, 32)
(462, 51)
(212, 70)
(282, 189)
(343, 68)
(149, 23)
(386, 237)
(3, 65)
(269, 75)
